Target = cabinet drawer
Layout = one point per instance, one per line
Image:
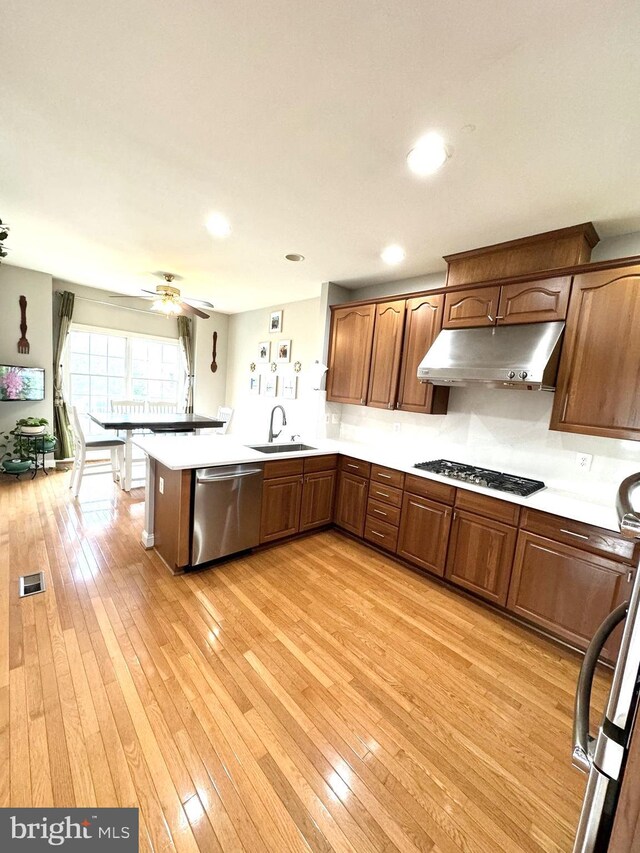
(283, 468)
(386, 494)
(490, 507)
(320, 463)
(429, 489)
(355, 466)
(580, 535)
(384, 512)
(381, 534)
(387, 476)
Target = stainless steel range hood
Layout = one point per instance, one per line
(520, 356)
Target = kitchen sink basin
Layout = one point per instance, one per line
(280, 448)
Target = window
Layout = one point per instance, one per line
(106, 366)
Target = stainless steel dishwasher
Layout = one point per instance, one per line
(226, 511)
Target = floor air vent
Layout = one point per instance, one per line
(31, 584)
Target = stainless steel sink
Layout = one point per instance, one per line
(280, 448)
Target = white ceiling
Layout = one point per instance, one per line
(122, 125)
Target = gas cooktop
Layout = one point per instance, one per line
(483, 477)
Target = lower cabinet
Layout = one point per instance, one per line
(351, 502)
(281, 499)
(424, 533)
(318, 492)
(481, 555)
(566, 590)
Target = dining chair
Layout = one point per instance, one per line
(97, 442)
(225, 413)
(128, 407)
(161, 407)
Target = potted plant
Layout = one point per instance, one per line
(16, 460)
(32, 426)
(49, 441)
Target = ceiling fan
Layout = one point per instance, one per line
(167, 299)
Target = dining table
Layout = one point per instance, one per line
(128, 423)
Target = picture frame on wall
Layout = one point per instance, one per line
(283, 352)
(275, 322)
(290, 387)
(264, 352)
(254, 383)
(270, 386)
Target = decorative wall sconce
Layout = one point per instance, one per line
(297, 366)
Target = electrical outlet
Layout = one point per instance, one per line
(397, 426)
(583, 461)
(335, 419)
(327, 418)
(161, 485)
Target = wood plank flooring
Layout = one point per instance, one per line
(316, 696)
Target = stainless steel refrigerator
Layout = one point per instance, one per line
(604, 756)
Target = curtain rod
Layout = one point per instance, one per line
(111, 304)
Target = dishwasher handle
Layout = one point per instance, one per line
(221, 478)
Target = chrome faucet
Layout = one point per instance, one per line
(273, 435)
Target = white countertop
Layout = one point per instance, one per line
(178, 452)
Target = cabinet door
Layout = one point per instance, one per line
(599, 376)
(351, 502)
(350, 354)
(280, 507)
(481, 555)
(424, 533)
(567, 591)
(317, 499)
(535, 301)
(423, 320)
(468, 308)
(385, 358)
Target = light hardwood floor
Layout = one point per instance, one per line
(313, 696)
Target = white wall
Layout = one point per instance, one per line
(36, 287)
(210, 388)
(303, 324)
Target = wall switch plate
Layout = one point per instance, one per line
(397, 426)
(161, 485)
(335, 419)
(583, 461)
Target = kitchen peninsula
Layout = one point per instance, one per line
(552, 559)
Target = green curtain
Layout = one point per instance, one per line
(186, 346)
(61, 324)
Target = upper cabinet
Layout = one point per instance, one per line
(386, 354)
(375, 351)
(423, 321)
(599, 377)
(530, 302)
(350, 353)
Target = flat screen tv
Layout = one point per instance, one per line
(21, 383)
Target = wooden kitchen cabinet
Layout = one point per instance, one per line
(385, 357)
(350, 347)
(424, 533)
(423, 321)
(318, 491)
(481, 555)
(565, 590)
(351, 502)
(281, 499)
(599, 376)
(466, 309)
(509, 304)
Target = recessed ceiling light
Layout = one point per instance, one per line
(218, 225)
(428, 155)
(294, 257)
(393, 255)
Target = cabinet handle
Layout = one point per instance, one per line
(351, 465)
(490, 318)
(386, 476)
(455, 515)
(389, 405)
(381, 535)
(630, 574)
(379, 511)
(362, 401)
(382, 494)
(564, 408)
(571, 533)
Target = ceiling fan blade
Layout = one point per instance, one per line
(190, 309)
(133, 296)
(199, 303)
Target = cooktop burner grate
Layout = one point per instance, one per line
(521, 486)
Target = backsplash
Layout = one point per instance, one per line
(500, 429)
